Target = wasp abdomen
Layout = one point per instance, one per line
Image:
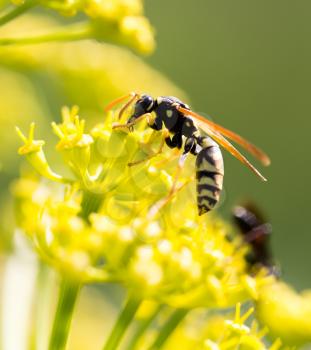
(209, 174)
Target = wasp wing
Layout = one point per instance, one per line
(229, 147)
(255, 151)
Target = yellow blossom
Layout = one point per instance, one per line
(222, 332)
(118, 21)
(33, 151)
(113, 222)
(286, 312)
(111, 9)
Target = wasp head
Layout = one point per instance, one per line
(144, 105)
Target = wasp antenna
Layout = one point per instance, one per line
(119, 100)
(124, 108)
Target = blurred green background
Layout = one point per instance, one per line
(248, 65)
(244, 63)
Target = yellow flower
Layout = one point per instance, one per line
(286, 313)
(115, 222)
(222, 332)
(74, 144)
(118, 21)
(112, 9)
(65, 7)
(33, 151)
(102, 182)
(137, 29)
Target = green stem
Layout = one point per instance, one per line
(90, 203)
(15, 12)
(168, 328)
(44, 289)
(122, 323)
(143, 327)
(68, 33)
(68, 294)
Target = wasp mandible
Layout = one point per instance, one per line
(197, 136)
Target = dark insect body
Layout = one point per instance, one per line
(256, 231)
(209, 162)
(184, 130)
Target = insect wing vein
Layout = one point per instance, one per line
(251, 148)
(229, 147)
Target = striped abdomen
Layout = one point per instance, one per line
(209, 173)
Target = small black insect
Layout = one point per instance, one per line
(196, 135)
(256, 232)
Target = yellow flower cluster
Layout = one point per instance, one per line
(108, 9)
(222, 332)
(130, 27)
(286, 313)
(119, 21)
(109, 221)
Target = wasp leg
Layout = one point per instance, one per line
(190, 147)
(162, 202)
(175, 141)
(181, 164)
(157, 124)
(174, 189)
(154, 154)
(130, 125)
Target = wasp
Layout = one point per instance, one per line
(198, 136)
(256, 231)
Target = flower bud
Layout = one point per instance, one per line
(32, 150)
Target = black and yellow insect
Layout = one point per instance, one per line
(196, 135)
(256, 231)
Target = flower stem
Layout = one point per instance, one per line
(90, 203)
(15, 12)
(40, 326)
(122, 323)
(143, 327)
(68, 294)
(73, 32)
(168, 328)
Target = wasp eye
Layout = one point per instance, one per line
(146, 102)
(142, 106)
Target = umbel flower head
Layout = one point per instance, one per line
(107, 8)
(119, 21)
(109, 221)
(286, 312)
(223, 332)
